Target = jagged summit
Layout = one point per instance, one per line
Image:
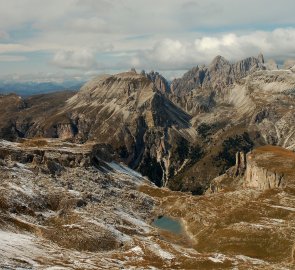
(219, 62)
(133, 70)
(218, 75)
(261, 58)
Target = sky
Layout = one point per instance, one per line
(64, 39)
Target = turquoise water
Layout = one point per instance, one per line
(168, 224)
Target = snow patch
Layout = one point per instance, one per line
(144, 226)
(252, 260)
(73, 226)
(23, 189)
(156, 249)
(75, 193)
(137, 250)
(217, 258)
(120, 168)
(284, 207)
(8, 144)
(121, 236)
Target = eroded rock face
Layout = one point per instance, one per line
(218, 75)
(269, 167)
(160, 82)
(241, 164)
(245, 209)
(264, 168)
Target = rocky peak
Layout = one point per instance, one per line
(261, 58)
(217, 76)
(241, 164)
(246, 66)
(190, 80)
(160, 82)
(131, 112)
(122, 87)
(218, 63)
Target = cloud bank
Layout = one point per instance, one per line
(177, 54)
(102, 36)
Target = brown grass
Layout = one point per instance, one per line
(276, 150)
(37, 142)
(275, 158)
(156, 192)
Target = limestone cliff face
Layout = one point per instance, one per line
(192, 79)
(241, 164)
(262, 178)
(53, 155)
(267, 167)
(263, 168)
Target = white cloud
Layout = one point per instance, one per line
(176, 54)
(81, 59)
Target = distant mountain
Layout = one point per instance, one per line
(33, 88)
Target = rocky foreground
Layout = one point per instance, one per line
(70, 206)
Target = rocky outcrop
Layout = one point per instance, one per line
(270, 167)
(263, 168)
(241, 164)
(262, 178)
(190, 80)
(160, 82)
(53, 155)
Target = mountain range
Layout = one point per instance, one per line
(180, 134)
(29, 88)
